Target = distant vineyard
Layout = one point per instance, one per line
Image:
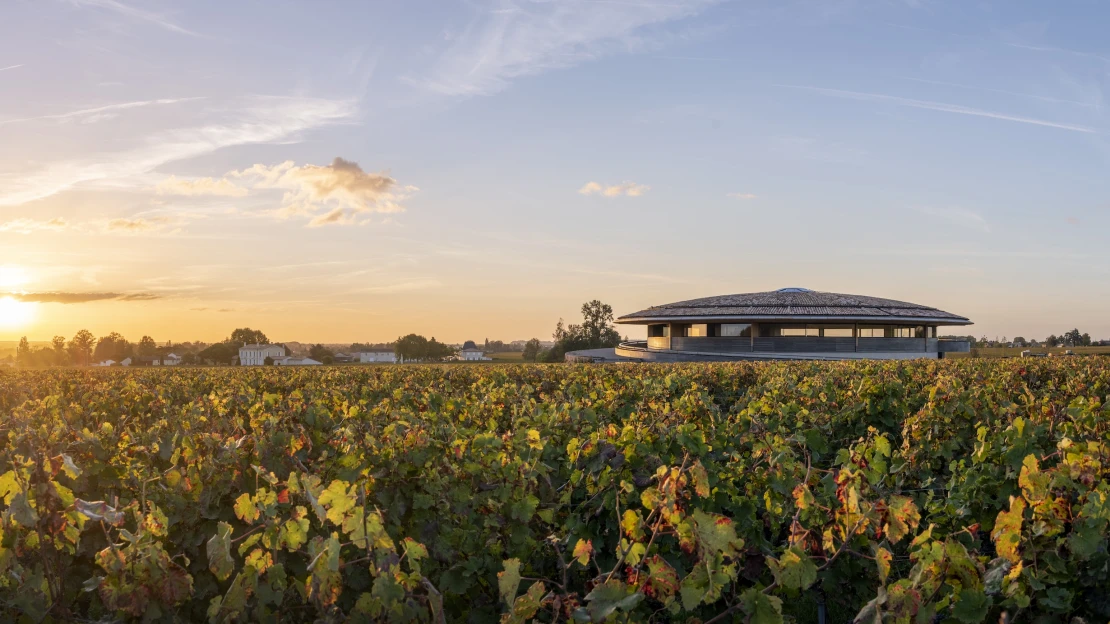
(757, 492)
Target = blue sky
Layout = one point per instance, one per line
(170, 167)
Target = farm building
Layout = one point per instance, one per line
(790, 323)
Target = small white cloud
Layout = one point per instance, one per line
(342, 188)
(958, 216)
(137, 225)
(26, 226)
(200, 186)
(625, 189)
(743, 196)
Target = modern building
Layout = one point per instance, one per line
(790, 323)
(256, 354)
(377, 355)
(471, 353)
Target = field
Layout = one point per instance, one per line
(1008, 352)
(755, 492)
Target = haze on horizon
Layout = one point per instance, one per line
(344, 171)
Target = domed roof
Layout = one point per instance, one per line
(469, 344)
(790, 304)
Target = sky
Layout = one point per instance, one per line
(336, 171)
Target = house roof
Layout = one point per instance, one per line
(261, 346)
(791, 304)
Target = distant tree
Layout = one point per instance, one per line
(532, 349)
(319, 353)
(189, 359)
(417, 348)
(1051, 341)
(147, 346)
(595, 332)
(23, 353)
(1073, 338)
(1019, 341)
(219, 353)
(112, 347)
(81, 346)
(1085, 340)
(269, 361)
(246, 335)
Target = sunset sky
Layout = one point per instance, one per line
(338, 171)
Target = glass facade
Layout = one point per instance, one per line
(731, 330)
(659, 331)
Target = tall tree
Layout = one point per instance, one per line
(532, 349)
(320, 353)
(147, 346)
(246, 335)
(81, 346)
(1073, 338)
(112, 347)
(23, 353)
(61, 357)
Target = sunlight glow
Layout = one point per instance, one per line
(12, 276)
(15, 314)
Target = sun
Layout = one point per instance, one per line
(15, 314)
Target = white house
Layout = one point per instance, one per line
(171, 360)
(106, 363)
(256, 354)
(471, 353)
(295, 361)
(377, 355)
(125, 362)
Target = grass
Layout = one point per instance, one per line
(1005, 352)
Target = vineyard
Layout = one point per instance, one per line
(956, 491)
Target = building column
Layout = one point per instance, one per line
(855, 332)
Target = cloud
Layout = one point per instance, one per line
(342, 188)
(26, 226)
(200, 186)
(136, 225)
(416, 284)
(743, 196)
(77, 297)
(940, 106)
(958, 216)
(100, 113)
(10, 67)
(533, 37)
(257, 120)
(626, 189)
(135, 13)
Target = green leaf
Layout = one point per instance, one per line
(761, 608)
(245, 510)
(508, 580)
(526, 605)
(971, 606)
(607, 598)
(803, 497)
(582, 551)
(716, 533)
(219, 552)
(882, 560)
(902, 518)
(1056, 599)
(1034, 483)
(700, 478)
(294, 533)
(794, 569)
(338, 499)
(1007, 530)
(1085, 538)
(630, 524)
(22, 512)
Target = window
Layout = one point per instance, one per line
(735, 330)
(836, 331)
(873, 332)
(659, 331)
(697, 330)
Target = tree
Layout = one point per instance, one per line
(532, 349)
(219, 353)
(147, 346)
(81, 346)
(1019, 341)
(23, 353)
(112, 347)
(61, 358)
(246, 335)
(595, 332)
(1086, 340)
(269, 361)
(414, 347)
(320, 353)
(1073, 338)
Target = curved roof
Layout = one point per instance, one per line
(794, 304)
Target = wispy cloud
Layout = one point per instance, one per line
(625, 189)
(939, 106)
(257, 120)
(200, 186)
(100, 113)
(135, 13)
(1045, 48)
(11, 67)
(743, 196)
(958, 216)
(137, 225)
(516, 40)
(26, 225)
(396, 287)
(342, 188)
(1043, 98)
(80, 297)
